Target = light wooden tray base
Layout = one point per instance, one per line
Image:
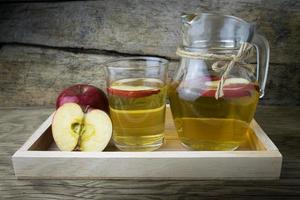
(257, 158)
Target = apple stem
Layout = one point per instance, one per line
(86, 108)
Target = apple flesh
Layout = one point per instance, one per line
(84, 95)
(233, 87)
(73, 129)
(132, 91)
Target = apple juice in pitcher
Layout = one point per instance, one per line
(204, 123)
(215, 90)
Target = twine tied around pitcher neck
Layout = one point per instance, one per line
(225, 62)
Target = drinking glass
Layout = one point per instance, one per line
(137, 89)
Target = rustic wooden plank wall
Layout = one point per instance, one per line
(48, 45)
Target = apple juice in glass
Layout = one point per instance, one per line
(137, 90)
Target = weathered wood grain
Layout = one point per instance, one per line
(143, 27)
(33, 76)
(278, 122)
(52, 30)
(282, 125)
(146, 189)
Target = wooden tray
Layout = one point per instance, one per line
(257, 158)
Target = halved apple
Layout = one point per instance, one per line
(132, 91)
(73, 129)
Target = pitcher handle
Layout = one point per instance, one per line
(263, 55)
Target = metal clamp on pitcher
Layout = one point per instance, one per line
(215, 90)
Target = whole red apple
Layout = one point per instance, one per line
(87, 96)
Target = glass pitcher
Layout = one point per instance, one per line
(215, 90)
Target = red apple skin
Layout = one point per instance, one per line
(233, 90)
(87, 96)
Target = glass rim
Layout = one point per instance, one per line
(134, 58)
(213, 14)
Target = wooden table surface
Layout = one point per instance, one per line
(282, 124)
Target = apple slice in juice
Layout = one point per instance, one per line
(128, 88)
(233, 87)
